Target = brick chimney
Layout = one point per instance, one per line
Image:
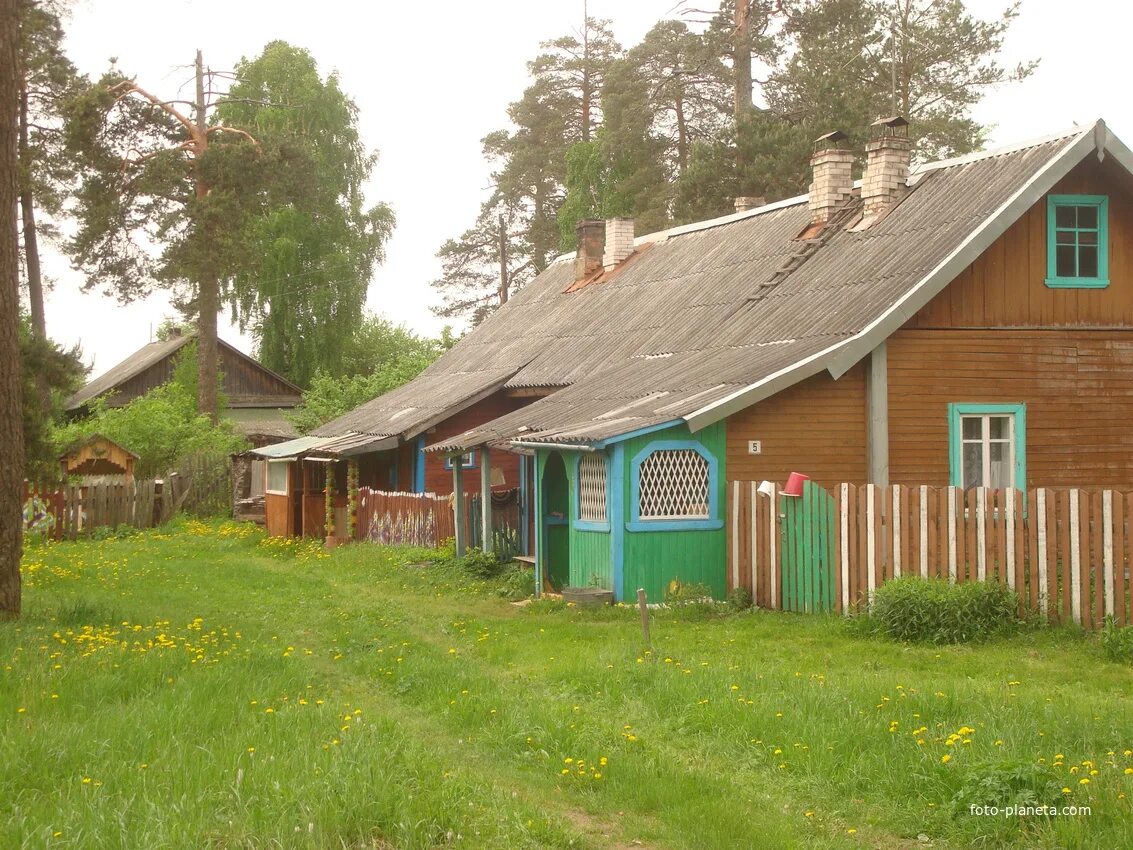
(591, 236)
(887, 155)
(833, 178)
(619, 241)
(749, 202)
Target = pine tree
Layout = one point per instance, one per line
(853, 61)
(561, 107)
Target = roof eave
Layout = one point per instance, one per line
(841, 356)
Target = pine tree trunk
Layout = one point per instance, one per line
(741, 63)
(682, 137)
(11, 419)
(31, 237)
(741, 59)
(208, 363)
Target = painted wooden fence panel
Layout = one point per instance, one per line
(1067, 552)
(412, 519)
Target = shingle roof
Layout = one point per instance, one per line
(705, 319)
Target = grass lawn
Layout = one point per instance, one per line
(206, 687)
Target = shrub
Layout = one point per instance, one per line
(923, 610)
(517, 583)
(1117, 641)
(480, 564)
(739, 599)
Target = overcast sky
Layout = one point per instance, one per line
(431, 80)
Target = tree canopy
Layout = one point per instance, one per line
(313, 245)
(676, 127)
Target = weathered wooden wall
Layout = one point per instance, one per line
(817, 426)
(246, 383)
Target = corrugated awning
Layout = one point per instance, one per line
(291, 448)
(350, 445)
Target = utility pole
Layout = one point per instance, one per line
(504, 282)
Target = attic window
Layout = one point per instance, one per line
(1077, 241)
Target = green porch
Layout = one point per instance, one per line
(635, 511)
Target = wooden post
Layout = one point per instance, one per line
(540, 543)
(644, 617)
(486, 542)
(302, 499)
(458, 504)
(877, 403)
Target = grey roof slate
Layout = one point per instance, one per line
(688, 322)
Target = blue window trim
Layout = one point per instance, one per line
(1053, 202)
(577, 521)
(713, 522)
(955, 411)
(472, 465)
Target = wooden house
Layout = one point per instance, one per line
(257, 397)
(966, 322)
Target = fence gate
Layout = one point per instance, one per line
(807, 544)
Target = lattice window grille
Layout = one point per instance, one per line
(674, 484)
(592, 488)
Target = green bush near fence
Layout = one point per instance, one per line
(929, 610)
(1117, 642)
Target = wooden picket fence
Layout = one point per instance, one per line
(413, 519)
(1068, 553)
(75, 510)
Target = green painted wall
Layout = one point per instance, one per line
(590, 559)
(590, 562)
(651, 559)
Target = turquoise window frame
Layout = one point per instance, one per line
(579, 523)
(712, 523)
(1053, 202)
(955, 437)
(470, 454)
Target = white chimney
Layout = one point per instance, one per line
(748, 202)
(833, 177)
(619, 241)
(887, 156)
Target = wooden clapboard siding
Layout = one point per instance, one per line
(438, 479)
(817, 427)
(1077, 385)
(1005, 287)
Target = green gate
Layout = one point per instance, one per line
(807, 547)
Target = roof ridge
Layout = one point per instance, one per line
(1002, 150)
